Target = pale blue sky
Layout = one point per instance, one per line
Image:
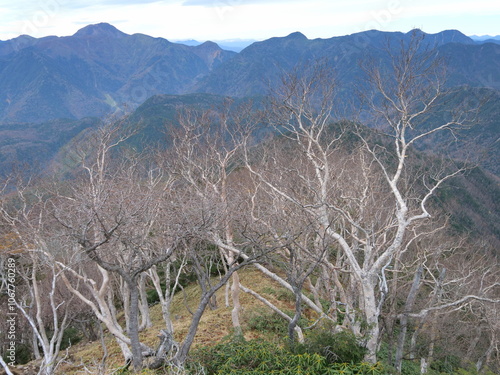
(247, 19)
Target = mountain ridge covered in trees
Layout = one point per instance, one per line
(51, 85)
(100, 69)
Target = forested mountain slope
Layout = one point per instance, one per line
(94, 72)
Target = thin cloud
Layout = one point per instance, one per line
(81, 4)
(233, 3)
(355, 4)
(458, 8)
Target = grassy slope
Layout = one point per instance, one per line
(215, 324)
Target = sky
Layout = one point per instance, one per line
(247, 19)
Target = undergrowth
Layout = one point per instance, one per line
(258, 357)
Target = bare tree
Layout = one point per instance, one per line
(403, 97)
(206, 147)
(373, 209)
(129, 215)
(172, 271)
(342, 210)
(112, 211)
(37, 247)
(181, 356)
(459, 285)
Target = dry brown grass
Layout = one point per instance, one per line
(215, 324)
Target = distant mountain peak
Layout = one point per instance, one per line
(23, 38)
(296, 35)
(209, 44)
(455, 36)
(187, 42)
(100, 29)
(446, 36)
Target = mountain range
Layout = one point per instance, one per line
(94, 72)
(484, 38)
(100, 69)
(51, 85)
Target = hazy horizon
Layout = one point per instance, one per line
(220, 20)
(230, 40)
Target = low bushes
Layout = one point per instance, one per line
(259, 357)
(340, 347)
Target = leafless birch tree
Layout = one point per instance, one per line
(371, 209)
(37, 247)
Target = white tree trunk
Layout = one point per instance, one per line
(235, 312)
(164, 298)
(143, 305)
(371, 316)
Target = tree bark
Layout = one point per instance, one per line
(235, 312)
(371, 316)
(133, 332)
(165, 346)
(410, 300)
(438, 291)
(297, 291)
(143, 305)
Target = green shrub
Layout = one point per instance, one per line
(152, 296)
(339, 347)
(71, 336)
(264, 320)
(471, 370)
(259, 357)
(23, 353)
(447, 364)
